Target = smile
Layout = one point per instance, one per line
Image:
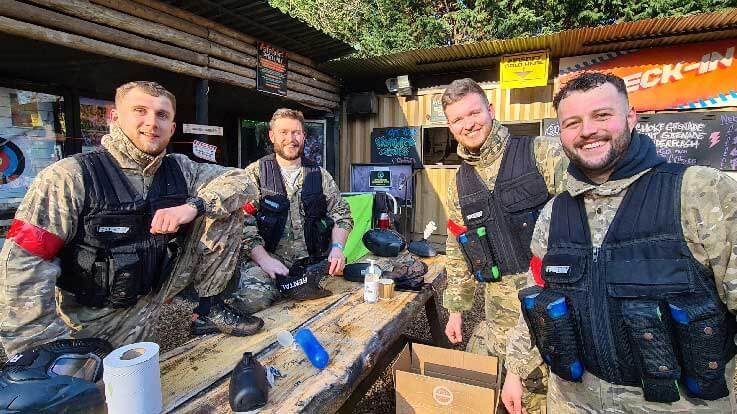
(593, 145)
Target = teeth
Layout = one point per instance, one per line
(593, 145)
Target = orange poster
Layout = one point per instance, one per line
(697, 75)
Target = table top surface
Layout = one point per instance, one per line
(195, 377)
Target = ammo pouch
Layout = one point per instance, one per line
(318, 228)
(479, 253)
(706, 345)
(652, 350)
(554, 332)
(271, 219)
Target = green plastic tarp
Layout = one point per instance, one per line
(361, 210)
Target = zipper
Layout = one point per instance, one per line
(596, 254)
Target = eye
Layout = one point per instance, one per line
(139, 110)
(162, 115)
(570, 124)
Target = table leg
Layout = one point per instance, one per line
(433, 318)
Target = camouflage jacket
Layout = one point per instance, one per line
(708, 217)
(292, 244)
(29, 312)
(552, 164)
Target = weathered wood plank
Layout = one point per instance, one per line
(353, 332)
(232, 68)
(311, 72)
(313, 82)
(309, 90)
(32, 31)
(148, 13)
(51, 19)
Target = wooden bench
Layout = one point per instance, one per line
(359, 337)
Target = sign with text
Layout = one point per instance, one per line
(436, 109)
(271, 74)
(202, 129)
(697, 138)
(524, 70)
(380, 178)
(203, 150)
(396, 145)
(699, 75)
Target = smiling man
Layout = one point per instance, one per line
(300, 214)
(499, 189)
(634, 305)
(102, 239)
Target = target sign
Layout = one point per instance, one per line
(12, 161)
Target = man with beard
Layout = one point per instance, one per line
(300, 214)
(499, 189)
(102, 239)
(633, 309)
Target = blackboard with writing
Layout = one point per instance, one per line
(396, 145)
(697, 138)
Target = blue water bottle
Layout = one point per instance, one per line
(558, 309)
(312, 348)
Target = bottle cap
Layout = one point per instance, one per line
(285, 338)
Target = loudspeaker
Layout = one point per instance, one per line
(361, 103)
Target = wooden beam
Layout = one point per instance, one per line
(313, 82)
(229, 67)
(31, 31)
(232, 43)
(148, 13)
(50, 19)
(306, 89)
(311, 72)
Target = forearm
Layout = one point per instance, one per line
(259, 255)
(339, 235)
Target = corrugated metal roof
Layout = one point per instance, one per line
(258, 19)
(622, 36)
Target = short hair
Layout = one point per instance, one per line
(151, 88)
(287, 113)
(587, 81)
(459, 88)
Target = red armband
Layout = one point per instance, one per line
(35, 240)
(536, 267)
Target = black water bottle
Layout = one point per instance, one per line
(249, 389)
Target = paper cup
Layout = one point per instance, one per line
(386, 289)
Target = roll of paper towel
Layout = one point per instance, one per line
(132, 381)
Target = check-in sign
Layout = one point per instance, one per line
(525, 70)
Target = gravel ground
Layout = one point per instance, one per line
(379, 399)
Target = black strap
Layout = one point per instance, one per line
(270, 175)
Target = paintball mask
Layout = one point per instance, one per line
(57, 377)
(384, 242)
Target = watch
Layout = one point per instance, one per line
(197, 203)
(336, 244)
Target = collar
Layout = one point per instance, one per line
(491, 150)
(128, 156)
(577, 187)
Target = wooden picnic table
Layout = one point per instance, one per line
(361, 338)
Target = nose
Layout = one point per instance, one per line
(588, 128)
(150, 118)
(468, 123)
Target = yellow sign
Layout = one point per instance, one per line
(524, 70)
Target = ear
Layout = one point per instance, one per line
(173, 127)
(114, 115)
(631, 118)
(491, 111)
(271, 136)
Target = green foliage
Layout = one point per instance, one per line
(378, 27)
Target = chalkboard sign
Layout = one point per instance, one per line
(396, 145)
(697, 138)
(271, 71)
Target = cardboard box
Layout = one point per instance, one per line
(437, 380)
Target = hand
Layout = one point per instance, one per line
(512, 394)
(337, 261)
(454, 328)
(273, 267)
(168, 220)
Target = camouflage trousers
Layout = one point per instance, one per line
(254, 289)
(208, 261)
(502, 308)
(594, 395)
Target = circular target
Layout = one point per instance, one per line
(12, 161)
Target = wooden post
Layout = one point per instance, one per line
(201, 91)
(48, 18)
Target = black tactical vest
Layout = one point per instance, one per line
(113, 258)
(645, 312)
(510, 211)
(273, 207)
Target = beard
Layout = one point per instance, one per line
(617, 146)
(292, 155)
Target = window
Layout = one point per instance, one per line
(95, 117)
(32, 128)
(439, 147)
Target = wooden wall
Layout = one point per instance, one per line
(156, 34)
(530, 104)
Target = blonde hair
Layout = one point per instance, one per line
(287, 113)
(459, 88)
